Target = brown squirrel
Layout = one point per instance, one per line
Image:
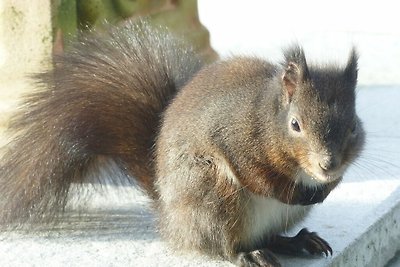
(233, 153)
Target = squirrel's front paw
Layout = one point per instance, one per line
(259, 257)
(303, 241)
(312, 243)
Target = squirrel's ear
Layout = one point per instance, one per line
(351, 70)
(290, 79)
(296, 70)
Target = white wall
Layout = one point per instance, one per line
(326, 29)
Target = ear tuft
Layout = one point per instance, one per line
(351, 70)
(295, 54)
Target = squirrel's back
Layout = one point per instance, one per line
(103, 99)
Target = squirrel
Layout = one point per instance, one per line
(239, 149)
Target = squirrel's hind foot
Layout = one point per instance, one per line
(259, 258)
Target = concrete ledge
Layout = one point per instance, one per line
(380, 242)
(360, 219)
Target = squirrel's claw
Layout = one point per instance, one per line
(312, 243)
(303, 241)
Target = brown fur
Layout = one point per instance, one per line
(103, 98)
(213, 147)
(234, 114)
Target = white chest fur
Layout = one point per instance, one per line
(264, 216)
(268, 216)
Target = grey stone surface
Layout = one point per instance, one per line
(360, 219)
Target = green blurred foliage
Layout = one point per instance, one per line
(180, 16)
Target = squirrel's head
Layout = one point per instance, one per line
(324, 134)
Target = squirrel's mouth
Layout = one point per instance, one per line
(316, 176)
(327, 177)
(321, 168)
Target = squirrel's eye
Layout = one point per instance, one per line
(295, 125)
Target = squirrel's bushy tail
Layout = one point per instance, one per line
(103, 99)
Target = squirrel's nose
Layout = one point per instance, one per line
(329, 163)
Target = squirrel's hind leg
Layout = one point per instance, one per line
(259, 257)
